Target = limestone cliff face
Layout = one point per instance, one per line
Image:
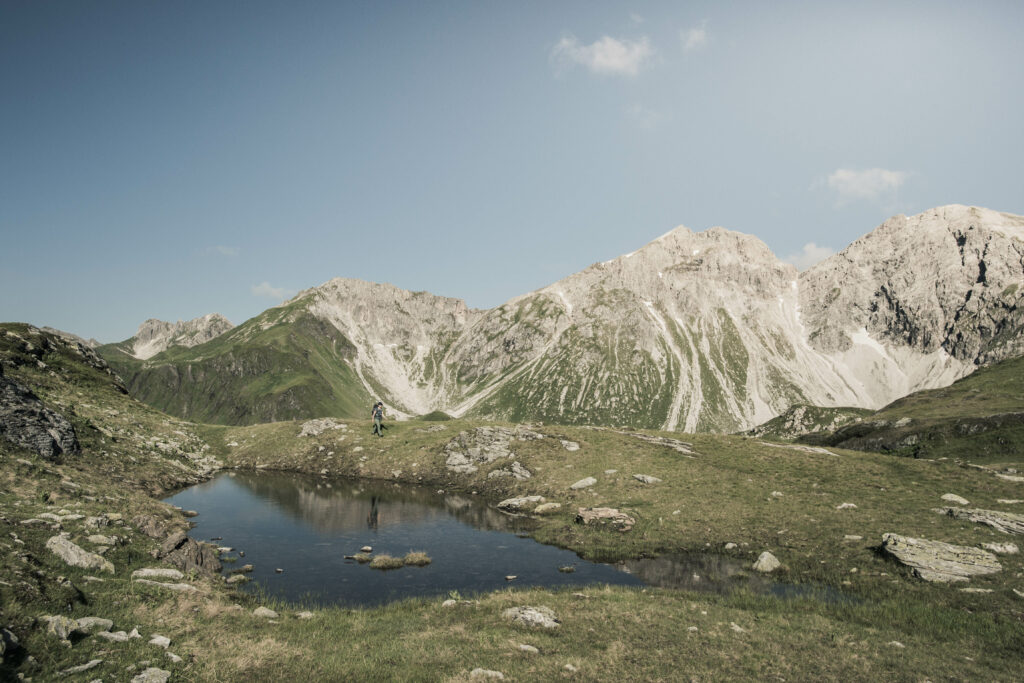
(705, 331)
(155, 335)
(700, 331)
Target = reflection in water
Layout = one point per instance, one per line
(308, 527)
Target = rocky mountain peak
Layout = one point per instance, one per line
(154, 336)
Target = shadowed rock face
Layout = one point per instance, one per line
(26, 422)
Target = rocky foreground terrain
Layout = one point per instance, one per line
(700, 332)
(99, 579)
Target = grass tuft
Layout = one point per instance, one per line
(417, 558)
(386, 562)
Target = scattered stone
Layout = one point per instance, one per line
(279, 571)
(116, 636)
(676, 445)
(264, 612)
(470, 449)
(846, 506)
(511, 577)
(174, 658)
(583, 483)
(776, 494)
(179, 587)
(528, 648)
(611, 471)
(937, 561)
(570, 668)
(1019, 594)
(692, 629)
(646, 479)
(319, 426)
(1010, 477)
(60, 626)
(304, 615)
(766, 562)
(852, 537)
(134, 633)
(96, 522)
(1009, 501)
(91, 664)
(976, 590)
(450, 602)
(152, 675)
(160, 641)
(897, 644)
(545, 508)
(532, 617)
(366, 549)
(521, 504)
(736, 627)
(94, 624)
(486, 673)
(77, 557)
(157, 573)
(244, 569)
(236, 579)
(101, 540)
(1002, 548)
(1007, 522)
(605, 516)
(953, 498)
(570, 445)
(730, 546)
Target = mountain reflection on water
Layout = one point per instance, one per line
(307, 527)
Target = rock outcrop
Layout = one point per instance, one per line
(154, 336)
(611, 517)
(188, 555)
(940, 562)
(1007, 522)
(26, 422)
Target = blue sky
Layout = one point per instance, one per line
(169, 160)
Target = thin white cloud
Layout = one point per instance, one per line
(636, 18)
(810, 255)
(266, 289)
(606, 56)
(872, 184)
(696, 38)
(223, 251)
(644, 117)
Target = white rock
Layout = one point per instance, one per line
(897, 644)
(583, 483)
(160, 641)
(94, 624)
(91, 664)
(486, 673)
(152, 675)
(116, 636)
(174, 658)
(610, 471)
(766, 563)
(736, 627)
(528, 648)
(157, 573)
(178, 587)
(646, 478)
(1002, 548)
(846, 506)
(76, 556)
(570, 445)
(264, 612)
(953, 498)
(540, 617)
(304, 615)
(730, 546)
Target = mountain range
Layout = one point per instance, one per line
(703, 331)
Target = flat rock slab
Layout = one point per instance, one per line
(1007, 522)
(157, 573)
(955, 499)
(152, 675)
(605, 516)
(178, 587)
(583, 483)
(94, 624)
(940, 562)
(532, 617)
(521, 504)
(545, 508)
(646, 479)
(76, 556)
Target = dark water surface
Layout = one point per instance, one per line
(306, 526)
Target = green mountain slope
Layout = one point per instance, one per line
(281, 365)
(981, 415)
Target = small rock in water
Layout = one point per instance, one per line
(767, 562)
(279, 570)
(511, 577)
(567, 569)
(366, 549)
(953, 498)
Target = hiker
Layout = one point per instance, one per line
(378, 418)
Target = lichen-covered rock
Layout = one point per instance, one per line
(532, 617)
(1007, 522)
(26, 422)
(152, 675)
(940, 562)
(605, 516)
(60, 626)
(94, 624)
(583, 483)
(63, 548)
